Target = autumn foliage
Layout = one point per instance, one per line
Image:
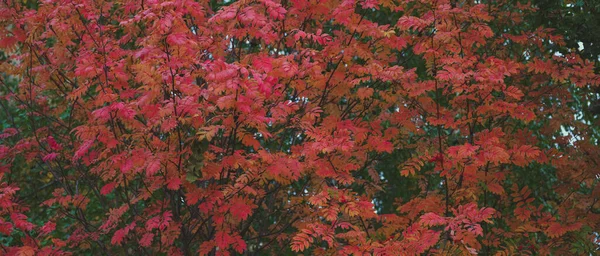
(356, 127)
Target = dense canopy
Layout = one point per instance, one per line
(266, 127)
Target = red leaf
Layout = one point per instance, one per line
(432, 219)
(173, 183)
(21, 222)
(83, 149)
(53, 144)
(364, 92)
(168, 125)
(126, 165)
(146, 240)
(153, 167)
(8, 132)
(26, 251)
(48, 228)
(177, 39)
(262, 63)
(462, 151)
(289, 68)
(106, 189)
(121, 234)
(50, 157)
(495, 188)
(152, 223)
(240, 208)
(166, 218)
(411, 22)
(5, 227)
(224, 240)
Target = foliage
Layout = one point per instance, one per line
(282, 127)
(574, 19)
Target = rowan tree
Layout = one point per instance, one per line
(264, 127)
